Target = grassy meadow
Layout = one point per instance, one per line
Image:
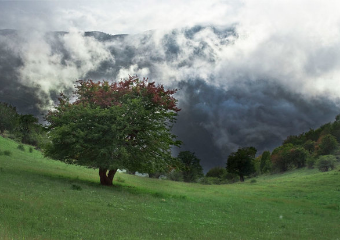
(46, 199)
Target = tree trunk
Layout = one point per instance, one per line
(241, 178)
(106, 179)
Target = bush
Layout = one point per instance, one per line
(30, 149)
(21, 147)
(310, 162)
(217, 172)
(326, 162)
(175, 175)
(231, 177)
(211, 181)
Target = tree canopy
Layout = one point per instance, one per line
(241, 162)
(8, 117)
(110, 126)
(191, 169)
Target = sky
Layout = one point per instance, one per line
(249, 73)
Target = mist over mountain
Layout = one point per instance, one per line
(231, 94)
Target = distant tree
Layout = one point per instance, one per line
(122, 125)
(265, 164)
(313, 134)
(280, 157)
(8, 117)
(217, 172)
(288, 156)
(240, 162)
(192, 169)
(326, 144)
(309, 146)
(28, 127)
(336, 128)
(295, 140)
(326, 162)
(298, 156)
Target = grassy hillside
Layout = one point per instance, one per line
(45, 199)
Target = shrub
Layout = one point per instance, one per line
(175, 175)
(217, 172)
(31, 149)
(310, 162)
(253, 181)
(231, 177)
(21, 147)
(326, 162)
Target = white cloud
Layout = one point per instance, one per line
(46, 68)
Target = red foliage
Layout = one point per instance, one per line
(104, 94)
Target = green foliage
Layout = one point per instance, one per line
(241, 162)
(288, 156)
(232, 177)
(175, 175)
(327, 144)
(298, 156)
(309, 145)
(211, 181)
(125, 125)
(21, 147)
(326, 162)
(295, 140)
(313, 134)
(310, 162)
(265, 164)
(27, 128)
(217, 172)
(280, 158)
(191, 167)
(8, 117)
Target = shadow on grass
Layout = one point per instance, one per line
(79, 184)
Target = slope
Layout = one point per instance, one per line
(45, 199)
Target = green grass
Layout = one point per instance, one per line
(46, 199)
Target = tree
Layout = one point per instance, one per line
(265, 164)
(298, 156)
(280, 158)
(240, 162)
(326, 144)
(8, 117)
(28, 127)
(192, 169)
(122, 125)
(309, 146)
